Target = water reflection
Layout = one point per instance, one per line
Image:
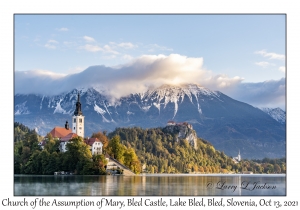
(163, 185)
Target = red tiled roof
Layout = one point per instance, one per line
(59, 132)
(91, 141)
(68, 137)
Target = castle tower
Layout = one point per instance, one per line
(78, 120)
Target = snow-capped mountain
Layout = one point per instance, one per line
(276, 113)
(228, 124)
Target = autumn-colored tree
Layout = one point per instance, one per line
(131, 161)
(102, 137)
(116, 149)
(99, 163)
(277, 168)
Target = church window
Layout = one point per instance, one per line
(74, 120)
(80, 120)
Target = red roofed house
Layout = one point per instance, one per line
(59, 132)
(65, 140)
(95, 145)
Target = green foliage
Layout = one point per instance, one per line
(266, 165)
(115, 149)
(52, 145)
(29, 158)
(124, 154)
(131, 161)
(77, 153)
(20, 131)
(160, 151)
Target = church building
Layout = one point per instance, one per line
(65, 134)
(78, 120)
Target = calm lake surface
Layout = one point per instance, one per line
(150, 185)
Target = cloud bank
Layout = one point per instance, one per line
(144, 72)
(270, 93)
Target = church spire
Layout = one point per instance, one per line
(78, 111)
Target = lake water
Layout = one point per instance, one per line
(150, 185)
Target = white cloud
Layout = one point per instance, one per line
(62, 29)
(282, 68)
(127, 45)
(264, 64)
(41, 81)
(53, 41)
(51, 44)
(127, 57)
(272, 55)
(89, 39)
(142, 72)
(263, 94)
(152, 70)
(109, 49)
(91, 48)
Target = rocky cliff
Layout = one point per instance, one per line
(183, 131)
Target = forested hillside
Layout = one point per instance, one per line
(21, 130)
(160, 150)
(155, 150)
(163, 152)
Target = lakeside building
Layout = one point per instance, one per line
(95, 146)
(65, 134)
(238, 158)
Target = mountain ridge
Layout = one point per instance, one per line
(215, 116)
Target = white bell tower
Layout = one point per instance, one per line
(78, 120)
(239, 156)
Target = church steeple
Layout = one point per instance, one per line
(78, 111)
(67, 125)
(78, 119)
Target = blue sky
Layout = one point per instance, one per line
(228, 44)
(220, 52)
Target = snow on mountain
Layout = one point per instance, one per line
(228, 124)
(21, 109)
(58, 108)
(276, 113)
(175, 94)
(99, 110)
